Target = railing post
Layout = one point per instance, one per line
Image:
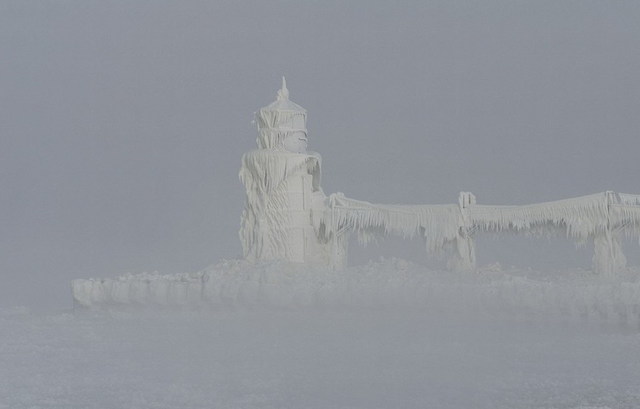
(463, 258)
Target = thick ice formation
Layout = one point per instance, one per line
(441, 226)
(288, 219)
(392, 283)
(282, 182)
(602, 217)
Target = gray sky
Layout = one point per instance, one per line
(122, 123)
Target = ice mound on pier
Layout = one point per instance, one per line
(390, 283)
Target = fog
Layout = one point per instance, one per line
(122, 125)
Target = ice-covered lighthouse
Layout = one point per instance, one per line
(288, 217)
(282, 182)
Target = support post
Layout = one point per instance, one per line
(463, 258)
(339, 238)
(608, 258)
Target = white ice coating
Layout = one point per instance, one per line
(282, 170)
(600, 217)
(572, 294)
(280, 190)
(437, 224)
(282, 182)
(280, 120)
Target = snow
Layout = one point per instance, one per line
(386, 334)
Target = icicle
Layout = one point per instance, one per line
(443, 225)
(437, 223)
(579, 218)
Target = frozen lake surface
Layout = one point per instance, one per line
(375, 352)
(311, 359)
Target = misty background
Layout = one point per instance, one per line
(122, 123)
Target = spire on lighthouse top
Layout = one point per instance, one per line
(283, 93)
(282, 102)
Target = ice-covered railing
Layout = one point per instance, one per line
(600, 217)
(627, 199)
(436, 223)
(578, 218)
(626, 214)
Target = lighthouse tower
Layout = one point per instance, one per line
(282, 182)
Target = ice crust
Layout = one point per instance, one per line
(391, 283)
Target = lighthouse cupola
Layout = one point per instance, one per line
(282, 125)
